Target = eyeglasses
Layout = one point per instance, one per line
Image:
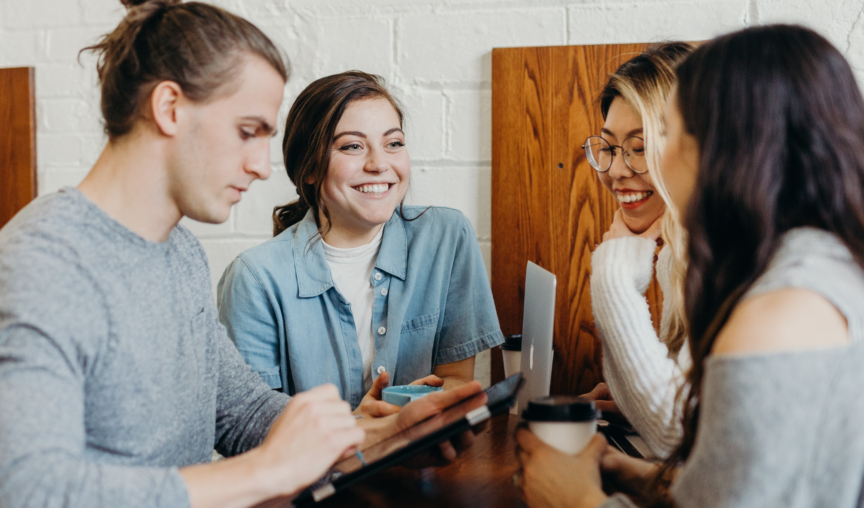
(600, 153)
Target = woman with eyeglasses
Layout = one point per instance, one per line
(643, 371)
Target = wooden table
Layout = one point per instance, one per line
(481, 477)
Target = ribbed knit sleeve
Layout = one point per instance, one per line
(642, 378)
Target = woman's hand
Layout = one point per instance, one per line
(315, 429)
(602, 398)
(432, 404)
(378, 429)
(551, 478)
(603, 401)
(373, 407)
(619, 229)
(622, 473)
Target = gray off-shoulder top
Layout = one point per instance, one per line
(785, 429)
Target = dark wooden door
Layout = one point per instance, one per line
(548, 206)
(17, 141)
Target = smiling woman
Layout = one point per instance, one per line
(356, 289)
(643, 369)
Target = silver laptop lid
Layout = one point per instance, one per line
(538, 322)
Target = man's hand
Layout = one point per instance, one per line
(315, 429)
(373, 407)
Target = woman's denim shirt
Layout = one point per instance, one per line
(433, 305)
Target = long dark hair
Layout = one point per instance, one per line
(309, 132)
(196, 45)
(779, 121)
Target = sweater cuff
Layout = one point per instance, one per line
(632, 257)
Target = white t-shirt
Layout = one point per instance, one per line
(352, 274)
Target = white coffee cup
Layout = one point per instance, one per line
(564, 422)
(511, 349)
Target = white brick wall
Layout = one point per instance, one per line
(435, 54)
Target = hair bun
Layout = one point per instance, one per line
(129, 4)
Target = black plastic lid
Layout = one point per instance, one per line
(512, 343)
(561, 408)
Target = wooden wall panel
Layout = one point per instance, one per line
(17, 141)
(548, 206)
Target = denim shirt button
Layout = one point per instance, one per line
(382, 330)
(383, 291)
(378, 276)
(381, 369)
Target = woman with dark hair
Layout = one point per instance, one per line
(764, 157)
(357, 289)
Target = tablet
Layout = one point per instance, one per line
(424, 435)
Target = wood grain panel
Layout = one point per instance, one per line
(17, 141)
(548, 206)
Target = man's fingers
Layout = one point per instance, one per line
(348, 440)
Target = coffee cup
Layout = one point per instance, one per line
(512, 351)
(563, 422)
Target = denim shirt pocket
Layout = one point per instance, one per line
(421, 324)
(416, 347)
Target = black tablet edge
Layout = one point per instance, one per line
(472, 418)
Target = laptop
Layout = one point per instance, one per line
(538, 322)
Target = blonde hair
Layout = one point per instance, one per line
(645, 83)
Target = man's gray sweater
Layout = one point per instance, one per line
(114, 368)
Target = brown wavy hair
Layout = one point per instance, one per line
(309, 132)
(779, 121)
(196, 45)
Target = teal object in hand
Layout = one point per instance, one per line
(401, 395)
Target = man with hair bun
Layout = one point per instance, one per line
(116, 379)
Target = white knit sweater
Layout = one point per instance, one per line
(642, 378)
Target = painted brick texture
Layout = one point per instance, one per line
(435, 55)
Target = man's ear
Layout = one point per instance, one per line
(163, 104)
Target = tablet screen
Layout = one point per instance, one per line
(493, 397)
